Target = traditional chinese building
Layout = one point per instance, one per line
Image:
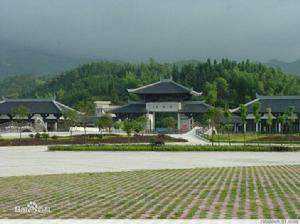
(279, 106)
(47, 111)
(165, 96)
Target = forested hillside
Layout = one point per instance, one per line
(235, 82)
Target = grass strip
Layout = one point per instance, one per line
(173, 148)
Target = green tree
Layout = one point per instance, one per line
(86, 107)
(244, 113)
(257, 117)
(214, 115)
(222, 90)
(104, 122)
(117, 125)
(269, 118)
(281, 120)
(228, 120)
(71, 118)
(290, 117)
(211, 93)
(256, 114)
(20, 113)
(140, 124)
(128, 127)
(169, 122)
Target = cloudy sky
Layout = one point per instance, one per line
(168, 30)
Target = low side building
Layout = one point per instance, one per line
(46, 111)
(279, 106)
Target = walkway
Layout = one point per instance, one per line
(34, 160)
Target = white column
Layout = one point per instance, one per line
(178, 121)
(153, 121)
(55, 126)
(192, 123)
(279, 128)
(245, 128)
(148, 124)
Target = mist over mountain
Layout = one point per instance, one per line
(286, 67)
(15, 60)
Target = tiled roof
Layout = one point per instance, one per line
(195, 107)
(35, 106)
(166, 86)
(130, 108)
(278, 104)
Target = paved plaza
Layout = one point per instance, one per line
(35, 160)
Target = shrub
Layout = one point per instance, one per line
(37, 135)
(174, 148)
(157, 142)
(45, 136)
(279, 148)
(54, 137)
(31, 135)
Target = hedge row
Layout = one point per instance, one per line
(172, 148)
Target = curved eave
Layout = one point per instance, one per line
(194, 93)
(246, 104)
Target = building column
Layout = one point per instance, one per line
(260, 127)
(55, 126)
(153, 121)
(178, 121)
(192, 123)
(245, 128)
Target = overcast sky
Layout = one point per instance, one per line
(168, 30)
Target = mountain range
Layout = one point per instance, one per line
(21, 61)
(286, 67)
(16, 60)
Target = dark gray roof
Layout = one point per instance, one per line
(234, 119)
(35, 106)
(195, 107)
(88, 120)
(167, 86)
(278, 104)
(130, 108)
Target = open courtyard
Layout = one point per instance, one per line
(231, 192)
(36, 160)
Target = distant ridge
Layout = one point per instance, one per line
(19, 61)
(286, 67)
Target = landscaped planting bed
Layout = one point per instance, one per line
(263, 138)
(89, 139)
(233, 192)
(174, 148)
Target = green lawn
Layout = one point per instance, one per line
(173, 148)
(251, 137)
(247, 192)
